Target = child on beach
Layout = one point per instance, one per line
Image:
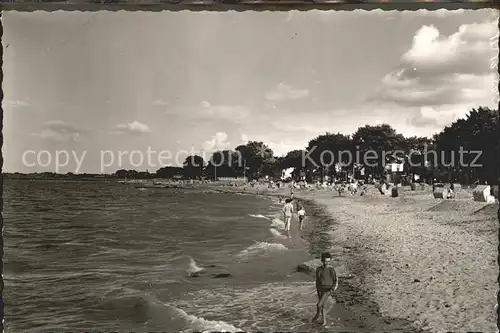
(288, 213)
(326, 283)
(302, 214)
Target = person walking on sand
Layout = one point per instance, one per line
(326, 283)
(301, 214)
(288, 213)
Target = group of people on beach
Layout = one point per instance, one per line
(326, 276)
(288, 211)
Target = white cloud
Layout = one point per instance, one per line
(218, 142)
(440, 77)
(429, 117)
(467, 51)
(134, 127)
(244, 138)
(59, 130)
(284, 92)
(205, 104)
(281, 148)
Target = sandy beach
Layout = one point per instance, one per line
(429, 261)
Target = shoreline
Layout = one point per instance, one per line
(355, 307)
(352, 297)
(389, 246)
(418, 264)
(432, 262)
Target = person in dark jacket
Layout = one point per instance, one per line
(326, 283)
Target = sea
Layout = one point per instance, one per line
(86, 256)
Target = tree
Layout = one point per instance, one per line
(381, 141)
(271, 167)
(225, 163)
(169, 172)
(326, 151)
(293, 159)
(132, 174)
(254, 155)
(122, 173)
(477, 132)
(417, 143)
(418, 160)
(193, 167)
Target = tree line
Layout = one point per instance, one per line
(467, 151)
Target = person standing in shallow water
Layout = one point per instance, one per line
(301, 213)
(326, 283)
(287, 214)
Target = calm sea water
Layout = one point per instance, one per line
(106, 256)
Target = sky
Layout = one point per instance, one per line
(82, 89)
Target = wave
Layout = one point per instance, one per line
(259, 216)
(261, 248)
(277, 234)
(199, 324)
(145, 308)
(278, 224)
(129, 304)
(193, 267)
(260, 306)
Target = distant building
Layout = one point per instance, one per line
(395, 167)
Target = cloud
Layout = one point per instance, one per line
(244, 138)
(441, 77)
(134, 127)
(281, 148)
(278, 145)
(467, 51)
(436, 119)
(218, 142)
(439, 70)
(59, 130)
(284, 92)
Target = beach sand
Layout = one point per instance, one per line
(420, 260)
